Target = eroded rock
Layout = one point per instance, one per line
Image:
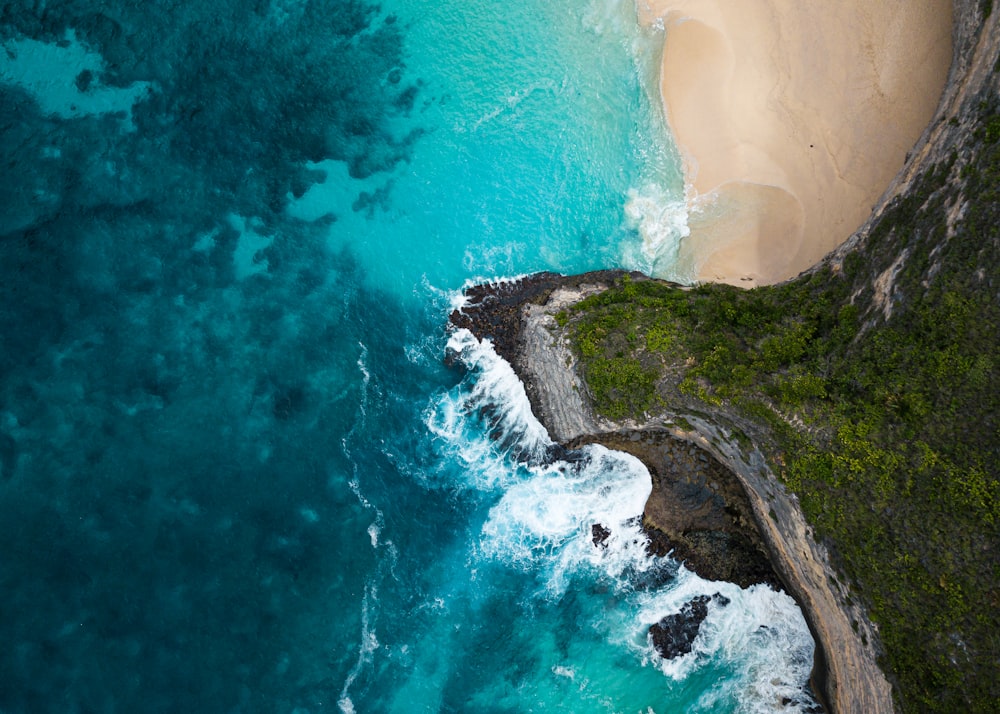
(674, 635)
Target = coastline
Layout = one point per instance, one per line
(846, 673)
(791, 120)
(519, 318)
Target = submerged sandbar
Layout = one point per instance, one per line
(792, 118)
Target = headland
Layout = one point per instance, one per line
(716, 505)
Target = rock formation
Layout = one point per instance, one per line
(731, 496)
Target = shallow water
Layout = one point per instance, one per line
(235, 473)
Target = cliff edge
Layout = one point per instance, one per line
(857, 406)
(768, 540)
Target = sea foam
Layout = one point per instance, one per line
(662, 222)
(491, 397)
(547, 520)
(576, 522)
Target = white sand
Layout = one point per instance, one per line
(792, 117)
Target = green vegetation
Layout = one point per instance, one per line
(887, 428)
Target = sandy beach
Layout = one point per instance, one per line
(792, 118)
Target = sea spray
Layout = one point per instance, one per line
(546, 521)
(573, 525)
(661, 220)
(492, 397)
(268, 520)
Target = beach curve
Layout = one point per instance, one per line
(792, 118)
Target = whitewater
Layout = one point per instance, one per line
(245, 465)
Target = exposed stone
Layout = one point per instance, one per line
(697, 510)
(542, 359)
(845, 674)
(600, 535)
(674, 635)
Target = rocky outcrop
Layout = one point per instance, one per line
(738, 508)
(496, 311)
(674, 634)
(846, 674)
(697, 511)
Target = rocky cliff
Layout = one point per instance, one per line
(714, 503)
(855, 406)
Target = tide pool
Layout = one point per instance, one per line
(235, 471)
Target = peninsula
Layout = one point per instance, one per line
(855, 406)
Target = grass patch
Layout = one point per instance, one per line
(888, 430)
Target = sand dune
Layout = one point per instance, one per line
(792, 117)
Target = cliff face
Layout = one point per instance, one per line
(856, 404)
(523, 320)
(951, 139)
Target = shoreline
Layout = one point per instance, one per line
(846, 675)
(519, 318)
(785, 154)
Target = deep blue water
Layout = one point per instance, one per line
(235, 471)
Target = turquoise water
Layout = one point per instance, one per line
(235, 471)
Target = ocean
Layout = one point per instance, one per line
(245, 465)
